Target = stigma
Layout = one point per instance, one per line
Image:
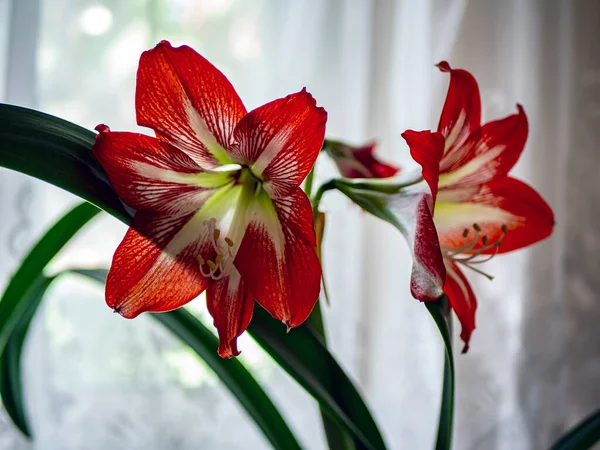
(468, 255)
(223, 248)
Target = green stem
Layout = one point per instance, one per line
(308, 183)
(316, 200)
(337, 438)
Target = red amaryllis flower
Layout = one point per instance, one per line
(479, 210)
(217, 197)
(358, 162)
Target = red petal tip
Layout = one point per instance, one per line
(164, 43)
(229, 350)
(101, 128)
(443, 66)
(465, 349)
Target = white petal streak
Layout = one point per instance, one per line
(273, 148)
(451, 216)
(481, 168)
(204, 135)
(459, 133)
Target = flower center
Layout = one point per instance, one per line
(468, 256)
(231, 211)
(223, 248)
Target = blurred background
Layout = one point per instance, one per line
(96, 381)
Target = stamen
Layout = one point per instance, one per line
(223, 262)
(474, 256)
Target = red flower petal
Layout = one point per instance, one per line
(489, 153)
(188, 102)
(359, 162)
(147, 174)
(278, 261)
(281, 141)
(377, 168)
(231, 306)
(507, 202)
(155, 267)
(463, 301)
(461, 114)
(428, 270)
(427, 149)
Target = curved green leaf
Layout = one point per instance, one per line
(20, 300)
(11, 389)
(30, 140)
(11, 306)
(438, 311)
(235, 376)
(304, 356)
(322, 377)
(581, 437)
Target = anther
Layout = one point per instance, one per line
(200, 260)
(229, 242)
(465, 232)
(216, 234)
(212, 265)
(476, 227)
(219, 259)
(504, 228)
(484, 240)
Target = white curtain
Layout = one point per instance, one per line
(97, 381)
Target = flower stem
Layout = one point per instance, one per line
(337, 438)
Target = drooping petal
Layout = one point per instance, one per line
(461, 114)
(280, 141)
(359, 162)
(427, 149)
(428, 271)
(155, 267)
(188, 102)
(488, 154)
(150, 175)
(462, 300)
(231, 306)
(410, 213)
(507, 201)
(277, 258)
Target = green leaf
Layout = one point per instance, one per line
(582, 436)
(313, 366)
(438, 311)
(20, 300)
(55, 151)
(304, 356)
(235, 376)
(12, 308)
(11, 389)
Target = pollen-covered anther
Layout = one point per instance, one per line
(223, 261)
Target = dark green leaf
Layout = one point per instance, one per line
(55, 151)
(12, 306)
(321, 376)
(233, 374)
(439, 312)
(304, 356)
(581, 437)
(11, 389)
(20, 300)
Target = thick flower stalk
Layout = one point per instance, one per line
(479, 210)
(217, 195)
